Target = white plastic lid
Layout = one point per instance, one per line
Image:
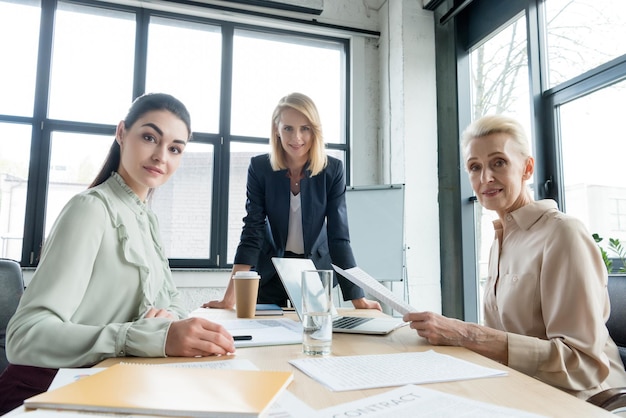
(246, 275)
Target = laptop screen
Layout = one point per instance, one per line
(290, 273)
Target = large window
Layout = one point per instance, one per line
(582, 35)
(594, 146)
(77, 66)
(285, 64)
(499, 84)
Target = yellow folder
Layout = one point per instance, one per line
(169, 391)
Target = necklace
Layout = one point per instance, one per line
(295, 178)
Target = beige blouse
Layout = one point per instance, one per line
(547, 287)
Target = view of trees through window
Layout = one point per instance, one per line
(499, 86)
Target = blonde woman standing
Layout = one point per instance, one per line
(295, 206)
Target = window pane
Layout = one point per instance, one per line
(594, 148)
(338, 154)
(184, 59)
(286, 64)
(75, 159)
(92, 64)
(19, 22)
(499, 86)
(582, 35)
(240, 155)
(183, 205)
(14, 162)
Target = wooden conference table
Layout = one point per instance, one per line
(515, 390)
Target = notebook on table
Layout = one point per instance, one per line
(290, 273)
(139, 389)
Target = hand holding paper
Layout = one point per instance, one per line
(375, 288)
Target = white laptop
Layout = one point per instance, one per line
(290, 273)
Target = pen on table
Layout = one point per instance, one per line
(242, 337)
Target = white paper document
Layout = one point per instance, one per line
(384, 370)
(269, 331)
(372, 286)
(413, 401)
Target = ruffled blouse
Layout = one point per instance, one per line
(101, 268)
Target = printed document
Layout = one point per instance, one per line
(384, 370)
(404, 402)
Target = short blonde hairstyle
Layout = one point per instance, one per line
(317, 153)
(494, 124)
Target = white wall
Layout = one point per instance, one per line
(409, 135)
(394, 136)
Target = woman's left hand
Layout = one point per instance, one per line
(363, 303)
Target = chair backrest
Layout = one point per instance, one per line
(617, 320)
(11, 290)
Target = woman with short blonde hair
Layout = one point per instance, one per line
(545, 276)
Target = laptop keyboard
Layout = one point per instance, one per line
(349, 322)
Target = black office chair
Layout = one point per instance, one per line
(614, 399)
(11, 290)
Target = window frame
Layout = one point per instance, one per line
(42, 127)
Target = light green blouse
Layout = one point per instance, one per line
(101, 268)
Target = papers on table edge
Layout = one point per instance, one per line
(391, 404)
(406, 400)
(372, 286)
(398, 402)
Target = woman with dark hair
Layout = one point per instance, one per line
(103, 287)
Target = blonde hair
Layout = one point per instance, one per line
(493, 124)
(317, 153)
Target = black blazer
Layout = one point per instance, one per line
(324, 224)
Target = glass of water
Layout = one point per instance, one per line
(317, 322)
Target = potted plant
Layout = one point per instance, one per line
(616, 248)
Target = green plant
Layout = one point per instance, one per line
(617, 248)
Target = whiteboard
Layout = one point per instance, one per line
(376, 221)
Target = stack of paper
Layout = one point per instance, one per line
(169, 391)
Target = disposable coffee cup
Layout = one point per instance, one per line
(246, 290)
